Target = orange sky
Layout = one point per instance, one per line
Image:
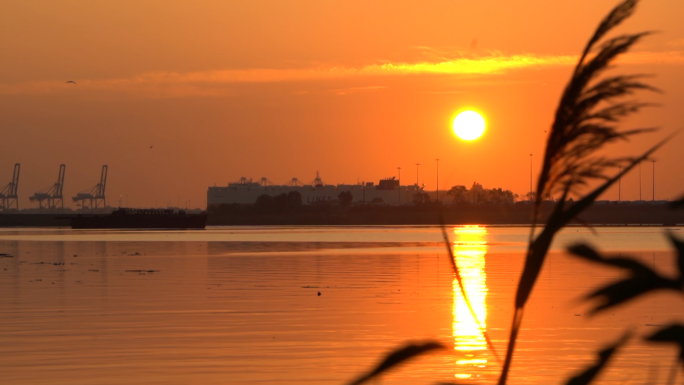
(354, 89)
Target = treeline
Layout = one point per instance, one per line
(478, 195)
(282, 203)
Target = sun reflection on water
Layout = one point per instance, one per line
(470, 248)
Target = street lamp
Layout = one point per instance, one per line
(437, 160)
(530, 194)
(417, 164)
(620, 185)
(653, 180)
(399, 182)
(639, 180)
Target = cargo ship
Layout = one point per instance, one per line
(246, 191)
(125, 218)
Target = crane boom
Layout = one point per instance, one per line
(59, 186)
(103, 183)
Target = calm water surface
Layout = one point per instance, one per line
(240, 305)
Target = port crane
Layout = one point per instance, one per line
(93, 197)
(318, 182)
(8, 194)
(52, 194)
(264, 182)
(242, 182)
(294, 182)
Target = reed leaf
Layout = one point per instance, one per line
(590, 373)
(673, 334)
(398, 357)
(641, 279)
(677, 203)
(679, 247)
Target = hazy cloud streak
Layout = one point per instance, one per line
(173, 84)
(351, 90)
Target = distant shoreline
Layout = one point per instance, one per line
(497, 215)
(502, 215)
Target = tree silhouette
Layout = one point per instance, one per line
(264, 204)
(346, 198)
(479, 195)
(421, 199)
(278, 204)
(460, 194)
(295, 199)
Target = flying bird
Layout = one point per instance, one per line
(71, 81)
(151, 146)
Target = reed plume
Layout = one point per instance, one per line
(585, 122)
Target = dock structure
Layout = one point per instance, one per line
(51, 197)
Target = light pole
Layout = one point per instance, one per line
(653, 180)
(399, 181)
(417, 164)
(437, 160)
(639, 180)
(530, 194)
(620, 185)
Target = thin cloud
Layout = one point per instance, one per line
(212, 83)
(448, 92)
(351, 90)
(671, 57)
(676, 43)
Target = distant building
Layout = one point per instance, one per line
(245, 191)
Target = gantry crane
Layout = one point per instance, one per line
(295, 183)
(52, 194)
(318, 182)
(94, 196)
(8, 195)
(264, 182)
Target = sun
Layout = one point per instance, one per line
(469, 125)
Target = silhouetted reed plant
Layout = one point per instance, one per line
(585, 122)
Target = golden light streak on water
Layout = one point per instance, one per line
(470, 248)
